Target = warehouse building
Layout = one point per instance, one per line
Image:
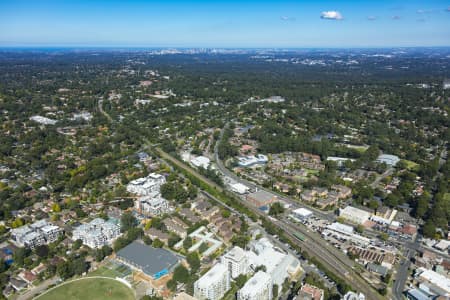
(302, 214)
(154, 262)
(354, 215)
(261, 198)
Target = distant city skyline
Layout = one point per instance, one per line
(224, 24)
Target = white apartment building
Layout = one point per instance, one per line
(259, 287)
(214, 284)
(236, 261)
(36, 234)
(96, 233)
(146, 186)
(153, 205)
(278, 264)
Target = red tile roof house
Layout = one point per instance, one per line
(28, 277)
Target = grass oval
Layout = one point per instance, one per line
(92, 288)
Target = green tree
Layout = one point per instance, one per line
(157, 243)
(127, 221)
(181, 274)
(193, 260)
(42, 250)
(241, 280)
(187, 243)
(276, 209)
(77, 244)
(275, 291)
(429, 229)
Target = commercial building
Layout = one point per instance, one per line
(239, 188)
(154, 262)
(236, 261)
(388, 159)
(146, 186)
(435, 281)
(302, 214)
(261, 198)
(36, 234)
(259, 287)
(354, 215)
(214, 284)
(97, 233)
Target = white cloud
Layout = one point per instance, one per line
(371, 18)
(331, 15)
(396, 17)
(448, 9)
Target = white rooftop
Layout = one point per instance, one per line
(341, 228)
(255, 284)
(303, 212)
(213, 275)
(237, 253)
(435, 278)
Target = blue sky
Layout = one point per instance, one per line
(316, 23)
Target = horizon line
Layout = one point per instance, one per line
(84, 46)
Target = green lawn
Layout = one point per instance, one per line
(90, 288)
(410, 165)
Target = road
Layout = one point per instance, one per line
(30, 294)
(100, 108)
(377, 180)
(403, 272)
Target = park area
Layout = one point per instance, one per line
(93, 288)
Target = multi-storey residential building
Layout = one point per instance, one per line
(146, 185)
(259, 287)
(97, 233)
(153, 205)
(214, 284)
(236, 261)
(36, 234)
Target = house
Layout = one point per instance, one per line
(18, 284)
(311, 292)
(210, 213)
(154, 234)
(382, 271)
(27, 276)
(201, 206)
(189, 215)
(308, 196)
(176, 226)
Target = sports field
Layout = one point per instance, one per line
(92, 288)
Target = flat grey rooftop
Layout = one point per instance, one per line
(150, 260)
